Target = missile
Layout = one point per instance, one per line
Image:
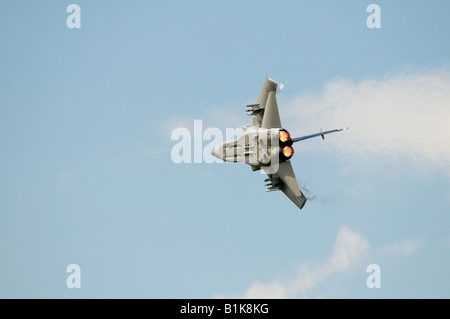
(273, 189)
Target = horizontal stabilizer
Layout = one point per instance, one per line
(289, 185)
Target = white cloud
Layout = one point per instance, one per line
(402, 248)
(403, 116)
(348, 252)
(171, 124)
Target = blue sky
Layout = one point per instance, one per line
(86, 175)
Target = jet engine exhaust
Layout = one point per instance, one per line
(288, 151)
(284, 136)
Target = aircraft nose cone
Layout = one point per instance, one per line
(218, 151)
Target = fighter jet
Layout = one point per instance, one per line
(266, 145)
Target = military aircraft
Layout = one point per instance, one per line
(266, 145)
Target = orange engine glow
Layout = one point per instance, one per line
(288, 151)
(284, 136)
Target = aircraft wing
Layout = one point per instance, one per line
(288, 183)
(266, 104)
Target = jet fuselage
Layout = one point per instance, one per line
(257, 147)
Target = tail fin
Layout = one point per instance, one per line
(269, 86)
(271, 115)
